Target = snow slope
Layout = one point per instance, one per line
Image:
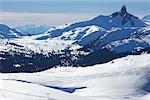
(27, 44)
(120, 79)
(127, 41)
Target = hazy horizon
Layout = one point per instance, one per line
(57, 12)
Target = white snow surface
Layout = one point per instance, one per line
(115, 39)
(28, 44)
(120, 79)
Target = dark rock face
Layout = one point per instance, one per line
(125, 15)
(123, 9)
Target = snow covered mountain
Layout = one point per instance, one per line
(103, 39)
(7, 32)
(102, 28)
(119, 28)
(33, 29)
(146, 18)
(119, 19)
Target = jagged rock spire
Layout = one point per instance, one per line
(123, 9)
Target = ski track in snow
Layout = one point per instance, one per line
(14, 92)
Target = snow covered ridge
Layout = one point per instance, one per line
(103, 39)
(25, 30)
(119, 19)
(7, 32)
(146, 18)
(121, 79)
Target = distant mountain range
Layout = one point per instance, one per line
(31, 29)
(99, 40)
(24, 30)
(7, 32)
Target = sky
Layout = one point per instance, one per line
(57, 12)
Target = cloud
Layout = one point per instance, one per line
(14, 18)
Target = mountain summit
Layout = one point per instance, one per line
(127, 19)
(120, 19)
(123, 9)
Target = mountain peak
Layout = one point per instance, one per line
(123, 9)
(123, 12)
